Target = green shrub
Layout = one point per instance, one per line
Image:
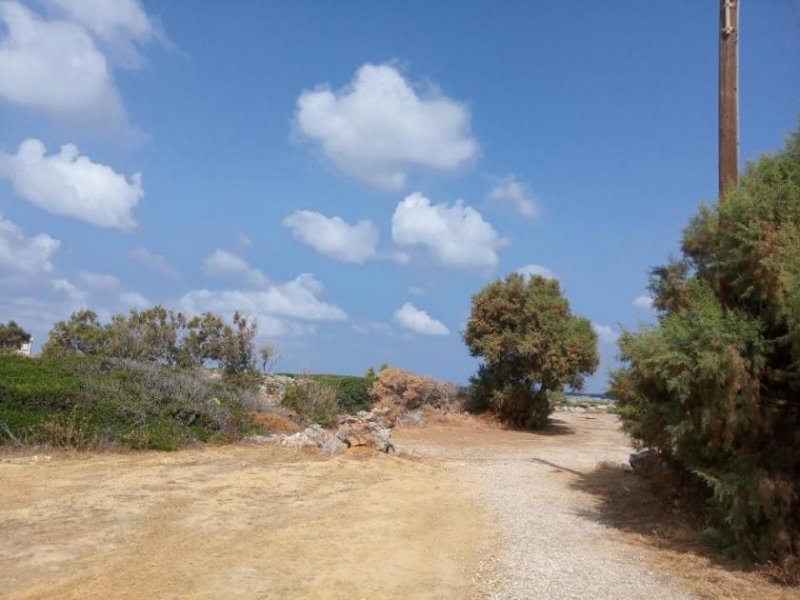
(352, 393)
(313, 400)
(85, 402)
(715, 386)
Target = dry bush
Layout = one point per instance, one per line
(402, 391)
(273, 422)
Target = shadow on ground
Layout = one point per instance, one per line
(554, 427)
(627, 503)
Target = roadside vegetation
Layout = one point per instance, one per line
(530, 345)
(149, 379)
(92, 402)
(714, 387)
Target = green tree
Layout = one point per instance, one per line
(12, 336)
(159, 335)
(715, 385)
(531, 346)
(151, 335)
(237, 344)
(82, 333)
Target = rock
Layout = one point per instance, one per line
(643, 460)
(333, 446)
(366, 429)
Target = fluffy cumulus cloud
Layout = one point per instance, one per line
(24, 255)
(517, 194)
(154, 262)
(530, 270)
(455, 236)
(123, 25)
(418, 321)
(606, 334)
(334, 237)
(275, 307)
(55, 66)
(380, 126)
(644, 302)
(226, 264)
(72, 185)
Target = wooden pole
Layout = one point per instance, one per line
(728, 95)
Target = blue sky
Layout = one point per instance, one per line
(352, 172)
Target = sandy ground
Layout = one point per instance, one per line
(465, 510)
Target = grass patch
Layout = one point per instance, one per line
(83, 402)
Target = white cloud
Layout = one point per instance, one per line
(644, 302)
(154, 262)
(333, 237)
(512, 191)
(417, 291)
(134, 301)
(296, 299)
(22, 254)
(530, 270)
(69, 184)
(226, 264)
(99, 281)
(418, 321)
(121, 24)
(77, 296)
(379, 126)
(605, 333)
(456, 236)
(54, 66)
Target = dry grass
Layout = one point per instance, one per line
(273, 422)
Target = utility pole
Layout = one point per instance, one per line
(728, 95)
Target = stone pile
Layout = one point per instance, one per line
(365, 429)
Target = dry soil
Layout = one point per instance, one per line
(465, 509)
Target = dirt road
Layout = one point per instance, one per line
(465, 510)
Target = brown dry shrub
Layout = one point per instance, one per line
(402, 391)
(273, 422)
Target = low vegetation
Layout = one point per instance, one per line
(312, 400)
(715, 385)
(89, 402)
(403, 391)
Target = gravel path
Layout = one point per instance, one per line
(552, 542)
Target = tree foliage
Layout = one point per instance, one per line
(531, 345)
(715, 386)
(161, 336)
(12, 336)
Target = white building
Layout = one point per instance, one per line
(25, 348)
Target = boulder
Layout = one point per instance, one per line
(644, 460)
